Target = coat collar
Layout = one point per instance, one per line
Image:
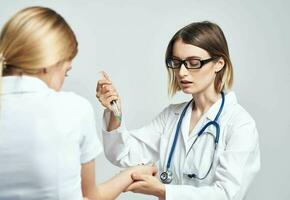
(230, 99)
(22, 84)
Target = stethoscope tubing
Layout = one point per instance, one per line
(214, 123)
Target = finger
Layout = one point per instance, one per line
(103, 75)
(109, 94)
(106, 75)
(107, 102)
(101, 85)
(134, 186)
(111, 98)
(138, 177)
(106, 88)
(103, 82)
(155, 169)
(129, 188)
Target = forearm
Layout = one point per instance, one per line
(112, 188)
(108, 190)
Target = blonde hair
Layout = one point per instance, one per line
(36, 38)
(209, 37)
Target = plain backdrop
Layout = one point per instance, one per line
(128, 39)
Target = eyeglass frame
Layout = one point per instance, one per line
(184, 62)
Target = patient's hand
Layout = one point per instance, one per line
(145, 181)
(144, 170)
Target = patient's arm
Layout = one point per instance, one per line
(112, 188)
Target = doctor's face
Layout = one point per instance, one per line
(193, 81)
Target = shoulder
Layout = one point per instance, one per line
(240, 116)
(174, 108)
(237, 114)
(238, 120)
(177, 107)
(239, 125)
(70, 101)
(242, 133)
(234, 113)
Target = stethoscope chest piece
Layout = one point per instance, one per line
(166, 177)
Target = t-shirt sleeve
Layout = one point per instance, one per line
(90, 144)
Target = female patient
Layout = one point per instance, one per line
(48, 139)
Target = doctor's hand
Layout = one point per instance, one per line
(147, 184)
(106, 92)
(143, 170)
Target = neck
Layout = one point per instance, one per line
(204, 100)
(18, 72)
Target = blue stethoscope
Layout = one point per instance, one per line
(167, 176)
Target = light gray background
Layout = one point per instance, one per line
(128, 39)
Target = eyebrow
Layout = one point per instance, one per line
(193, 57)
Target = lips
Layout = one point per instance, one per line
(185, 82)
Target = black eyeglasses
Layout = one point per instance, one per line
(189, 63)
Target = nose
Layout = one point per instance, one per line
(182, 71)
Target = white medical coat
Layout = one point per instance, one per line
(237, 158)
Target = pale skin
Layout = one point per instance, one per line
(199, 83)
(54, 78)
(112, 188)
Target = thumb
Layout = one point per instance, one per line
(137, 177)
(155, 169)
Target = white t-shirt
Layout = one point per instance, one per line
(45, 136)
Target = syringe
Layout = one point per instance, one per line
(114, 104)
(116, 111)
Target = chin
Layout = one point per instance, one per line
(189, 90)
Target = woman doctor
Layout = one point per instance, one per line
(207, 148)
